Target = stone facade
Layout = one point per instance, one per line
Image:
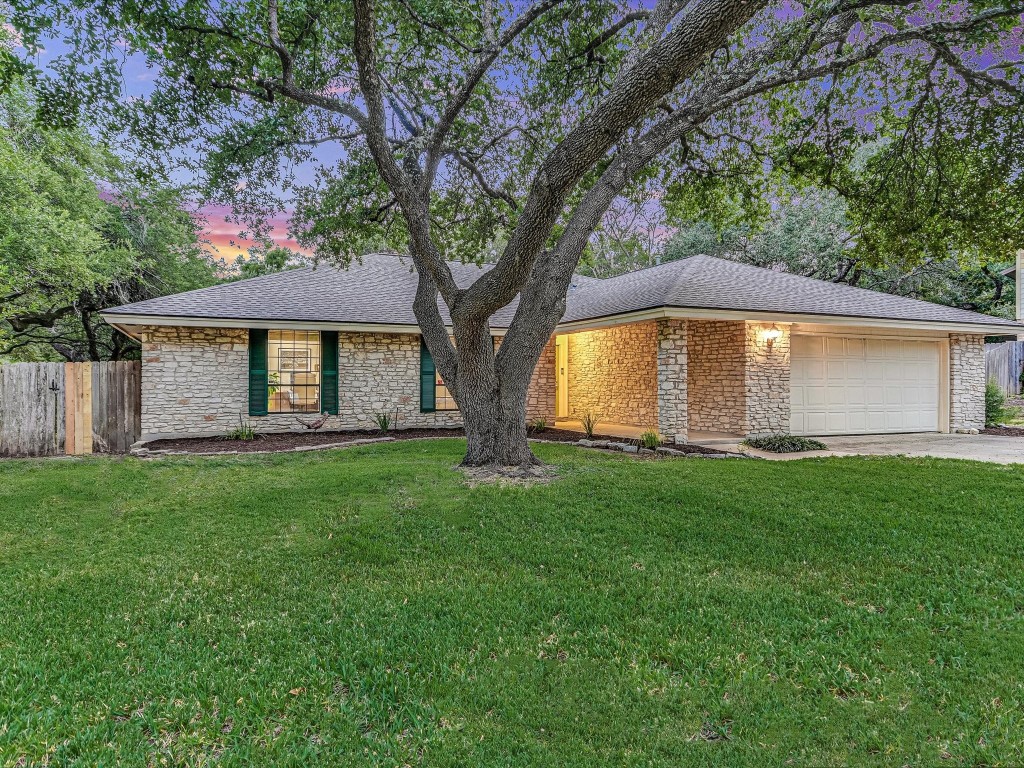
(673, 377)
(195, 382)
(612, 373)
(966, 382)
(766, 375)
(678, 375)
(540, 398)
(735, 384)
(715, 375)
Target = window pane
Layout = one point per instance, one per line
(293, 371)
(443, 400)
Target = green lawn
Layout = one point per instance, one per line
(366, 607)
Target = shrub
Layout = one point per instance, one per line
(244, 431)
(783, 443)
(589, 422)
(538, 425)
(996, 411)
(385, 421)
(650, 439)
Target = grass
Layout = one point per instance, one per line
(365, 607)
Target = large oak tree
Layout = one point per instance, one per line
(452, 127)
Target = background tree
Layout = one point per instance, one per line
(811, 234)
(266, 259)
(453, 124)
(77, 235)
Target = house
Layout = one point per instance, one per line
(697, 346)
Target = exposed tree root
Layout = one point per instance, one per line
(524, 474)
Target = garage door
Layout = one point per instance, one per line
(845, 385)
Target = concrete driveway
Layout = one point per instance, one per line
(992, 448)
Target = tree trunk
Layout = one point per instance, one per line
(496, 430)
(493, 404)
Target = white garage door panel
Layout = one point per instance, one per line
(846, 385)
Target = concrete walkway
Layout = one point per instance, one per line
(991, 448)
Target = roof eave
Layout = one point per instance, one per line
(701, 313)
(120, 319)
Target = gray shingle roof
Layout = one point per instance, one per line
(705, 282)
(379, 289)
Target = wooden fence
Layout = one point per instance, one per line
(48, 409)
(1004, 363)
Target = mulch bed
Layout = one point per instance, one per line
(567, 436)
(1004, 431)
(287, 441)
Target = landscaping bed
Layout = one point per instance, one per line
(291, 441)
(1004, 431)
(568, 436)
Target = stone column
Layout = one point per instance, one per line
(966, 383)
(766, 378)
(672, 400)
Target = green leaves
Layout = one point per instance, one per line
(78, 234)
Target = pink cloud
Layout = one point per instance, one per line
(226, 238)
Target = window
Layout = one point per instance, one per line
(434, 395)
(443, 400)
(293, 371)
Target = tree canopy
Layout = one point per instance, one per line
(451, 128)
(811, 233)
(77, 235)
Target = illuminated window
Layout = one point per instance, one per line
(443, 400)
(293, 371)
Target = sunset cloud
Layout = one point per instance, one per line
(225, 237)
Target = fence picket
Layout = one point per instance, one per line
(72, 408)
(1004, 364)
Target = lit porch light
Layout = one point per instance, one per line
(770, 336)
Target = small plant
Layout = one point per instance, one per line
(538, 425)
(589, 423)
(996, 410)
(244, 431)
(783, 443)
(650, 439)
(385, 421)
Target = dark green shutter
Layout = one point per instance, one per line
(258, 397)
(329, 372)
(427, 380)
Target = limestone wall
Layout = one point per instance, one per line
(540, 398)
(673, 361)
(715, 375)
(195, 382)
(612, 373)
(966, 382)
(766, 379)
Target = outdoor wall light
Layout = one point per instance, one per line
(770, 336)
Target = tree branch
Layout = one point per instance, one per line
(491, 192)
(444, 124)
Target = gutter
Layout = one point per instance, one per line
(121, 320)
